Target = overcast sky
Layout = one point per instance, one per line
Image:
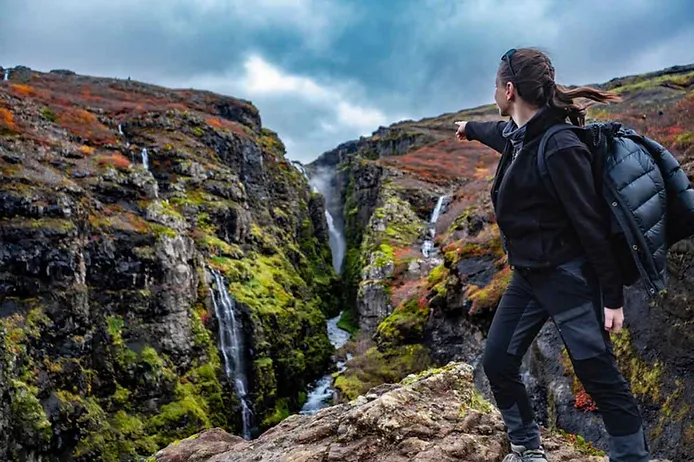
(327, 71)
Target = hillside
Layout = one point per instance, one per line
(164, 269)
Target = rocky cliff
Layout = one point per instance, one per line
(417, 305)
(135, 221)
(435, 416)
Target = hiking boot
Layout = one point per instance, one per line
(520, 454)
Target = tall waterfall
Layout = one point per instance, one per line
(336, 238)
(7, 74)
(232, 346)
(145, 158)
(337, 243)
(428, 245)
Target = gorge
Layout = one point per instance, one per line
(166, 270)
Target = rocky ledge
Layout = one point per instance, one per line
(435, 416)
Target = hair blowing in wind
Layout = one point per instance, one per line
(533, 76)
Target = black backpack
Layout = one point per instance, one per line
(621, 157)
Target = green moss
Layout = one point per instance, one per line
(645, 378)
(488, 297)
(115, 328)
(349, 321)
(475, 401)
(266, 383)
(384, 256)
(49, 115)
(404, 325)
(437, 274)
(581, 445)
(28, 415)
(685, 139)
(375, 368)
(280, 412)
(271, 143)
(644, 82)
(180, 418)
(52, 224)
(198, 131)
(216, 246)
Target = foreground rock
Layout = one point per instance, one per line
(438, 416)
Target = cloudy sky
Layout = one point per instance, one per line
(326, 71)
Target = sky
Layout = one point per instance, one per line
(323, 72)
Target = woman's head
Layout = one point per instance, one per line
(526, 76)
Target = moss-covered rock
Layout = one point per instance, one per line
(375, 368)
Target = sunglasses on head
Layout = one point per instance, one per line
(507, 57)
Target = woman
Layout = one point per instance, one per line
(563, 265)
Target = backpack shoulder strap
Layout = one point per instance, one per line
(541, 161)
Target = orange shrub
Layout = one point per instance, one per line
(86, 150)
(23, 90)
(213, 122)
(116, 160)
(85, 125)
(7, 121)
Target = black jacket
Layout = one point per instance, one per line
(538, 230)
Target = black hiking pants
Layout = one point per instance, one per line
(570, 295)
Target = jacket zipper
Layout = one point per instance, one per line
(632, 237)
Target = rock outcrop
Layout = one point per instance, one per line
(437, 416)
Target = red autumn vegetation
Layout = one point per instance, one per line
(115, 159)
(447, 161)
(7, 125)
(85, 125)
(225, 124)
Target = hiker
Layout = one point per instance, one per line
(564, 266)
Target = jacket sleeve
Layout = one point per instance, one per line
(488, 133)
(571, 172)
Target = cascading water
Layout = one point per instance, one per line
(336, 238)
(232, 346)
(321, 391)
(7, 75)
(428, 244)
(337, 243)
(145, 158)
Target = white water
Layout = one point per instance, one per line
(145, 158)
(232, 346)
(337, 243)
(120, 130)
(321, 392)
(7, 74)
(428, 244)
(336, 239)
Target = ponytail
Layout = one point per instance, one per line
(533, 75)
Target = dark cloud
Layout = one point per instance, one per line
(328, 71)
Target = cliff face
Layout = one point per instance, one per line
(134, 220)
(415, 308)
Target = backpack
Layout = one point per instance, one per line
(621, 157)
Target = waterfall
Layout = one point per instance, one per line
(336, 240)
(321, 391)
(428, 244)
(145, 158)
(232, 346)
(337, 243)
(7, 74)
